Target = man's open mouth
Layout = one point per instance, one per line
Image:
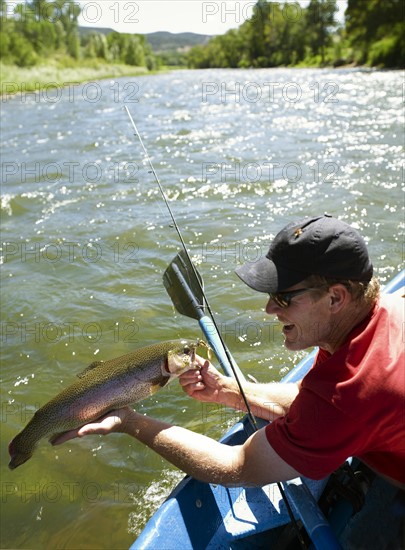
(287, 328)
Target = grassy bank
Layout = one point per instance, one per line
(22, 79)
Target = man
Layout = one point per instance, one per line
(320, 283)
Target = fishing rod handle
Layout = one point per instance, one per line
(215, 343)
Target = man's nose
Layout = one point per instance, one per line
(271, 307)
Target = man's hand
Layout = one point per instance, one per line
(206, 383)
(114, 422)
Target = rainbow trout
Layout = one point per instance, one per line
(102, 387)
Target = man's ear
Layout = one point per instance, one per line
(339, 296)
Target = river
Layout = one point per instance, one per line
(86, 238)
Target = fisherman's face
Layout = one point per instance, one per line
(307, 321)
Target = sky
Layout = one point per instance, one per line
(198, 16)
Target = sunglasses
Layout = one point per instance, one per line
(283, 299)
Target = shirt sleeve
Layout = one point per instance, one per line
(315, 437)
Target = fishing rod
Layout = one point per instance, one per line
(195, 274)
(205, 300)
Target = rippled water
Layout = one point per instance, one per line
(86, 239)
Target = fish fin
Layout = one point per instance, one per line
(159, 385)
(90, 367)
(54, 437)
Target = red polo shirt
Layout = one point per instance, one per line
(351, 403)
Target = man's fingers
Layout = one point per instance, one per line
(201, 362)
(190, 377)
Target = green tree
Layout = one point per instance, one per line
(284, 36)
(135, 54)
(198, 57)
(256, 31)
(376, 31)
(39, 29)
(39, 9)
(21, 51)
(5, 32)
(67, 13)
(320, 21)
(132, 49)
(95, 45)
(273, 36)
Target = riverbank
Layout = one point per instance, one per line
(16, 79)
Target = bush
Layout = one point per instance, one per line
(386, 53)
(22, 52)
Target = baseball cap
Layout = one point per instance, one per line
(321, 245)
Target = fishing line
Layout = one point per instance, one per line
(183, 244)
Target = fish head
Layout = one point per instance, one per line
(181, 357)
(18, 454)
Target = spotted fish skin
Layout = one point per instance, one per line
(102, 387)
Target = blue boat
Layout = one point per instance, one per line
(353, 508)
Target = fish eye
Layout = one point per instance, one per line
(186, 349)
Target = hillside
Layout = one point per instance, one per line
(160, 41)
(166, 41)
(84, 31)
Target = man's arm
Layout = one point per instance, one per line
(267, 401)
(254, 463)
